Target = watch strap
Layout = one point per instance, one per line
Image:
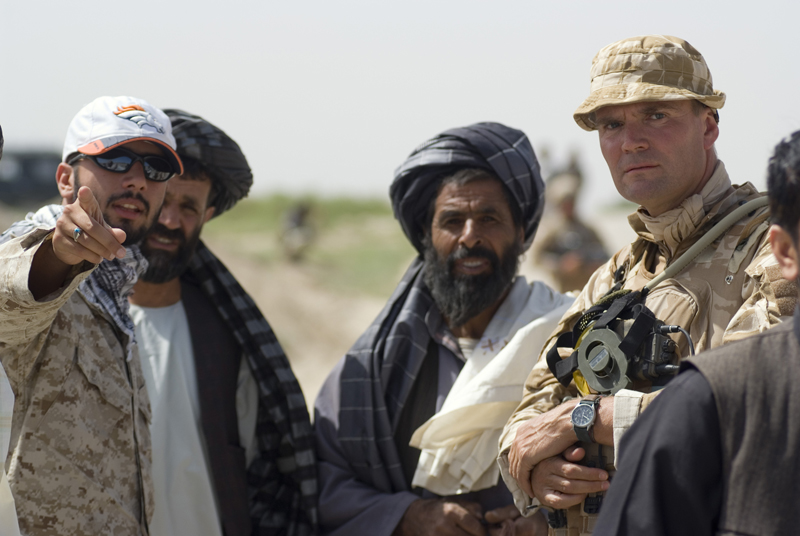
(586, 435)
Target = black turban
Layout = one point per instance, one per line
(217, 152)
(505, 152)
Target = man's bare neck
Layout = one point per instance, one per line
(156, 294)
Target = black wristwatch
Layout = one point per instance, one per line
(583, 417)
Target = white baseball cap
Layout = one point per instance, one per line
(108, 122)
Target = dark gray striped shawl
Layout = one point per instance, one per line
(287, 506)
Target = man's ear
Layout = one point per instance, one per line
(711, 129)
(65, 179)
(209, 213)
(785, 250)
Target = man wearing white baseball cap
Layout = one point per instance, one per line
(80, 459)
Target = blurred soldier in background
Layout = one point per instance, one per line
(297, 231)
(567, 248)
(407, 423)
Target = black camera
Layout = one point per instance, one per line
(607, 369)
(615, 343)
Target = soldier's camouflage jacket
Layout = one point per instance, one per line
(80, 442)
(734, 289)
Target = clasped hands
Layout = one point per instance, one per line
(543, 458)
(440, 517)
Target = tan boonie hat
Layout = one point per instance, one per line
(647, 68)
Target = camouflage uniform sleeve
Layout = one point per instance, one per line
(768, 297)
(542, 392)
(24, 322)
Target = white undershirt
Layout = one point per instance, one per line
(185, 502)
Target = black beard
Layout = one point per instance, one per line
(132, 236)
(463, 297)
(163, 265)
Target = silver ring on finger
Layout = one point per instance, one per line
(76, 234)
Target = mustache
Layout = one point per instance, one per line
(171, 234)
(130, 195)
(463, 252)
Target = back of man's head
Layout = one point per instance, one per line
(647, 68)
(783, 182)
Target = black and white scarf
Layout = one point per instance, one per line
(108, 286)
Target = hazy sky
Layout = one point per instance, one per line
(329, 97)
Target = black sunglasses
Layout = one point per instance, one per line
(119, 160)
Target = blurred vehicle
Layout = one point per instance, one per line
(27, 178)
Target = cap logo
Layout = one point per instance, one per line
(140, 116)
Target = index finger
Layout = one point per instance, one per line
(89, 204)
(498, 515)
(574, 471)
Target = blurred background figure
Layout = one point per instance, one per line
(297, 231)
(569, 250)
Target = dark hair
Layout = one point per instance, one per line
(194, 169)
(465, 176)
(783, 183)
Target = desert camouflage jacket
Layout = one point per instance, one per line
(734, 289)
(80, 441)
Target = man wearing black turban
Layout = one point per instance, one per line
(232, 443)
(410, 417)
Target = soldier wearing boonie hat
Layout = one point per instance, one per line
(654, 106)
(649, 68)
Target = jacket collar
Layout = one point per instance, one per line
(674, 226)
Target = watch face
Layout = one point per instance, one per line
(582, 415)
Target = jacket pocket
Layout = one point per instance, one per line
(104, 373)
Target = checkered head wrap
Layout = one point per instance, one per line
(219, 154)
(503, 151)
